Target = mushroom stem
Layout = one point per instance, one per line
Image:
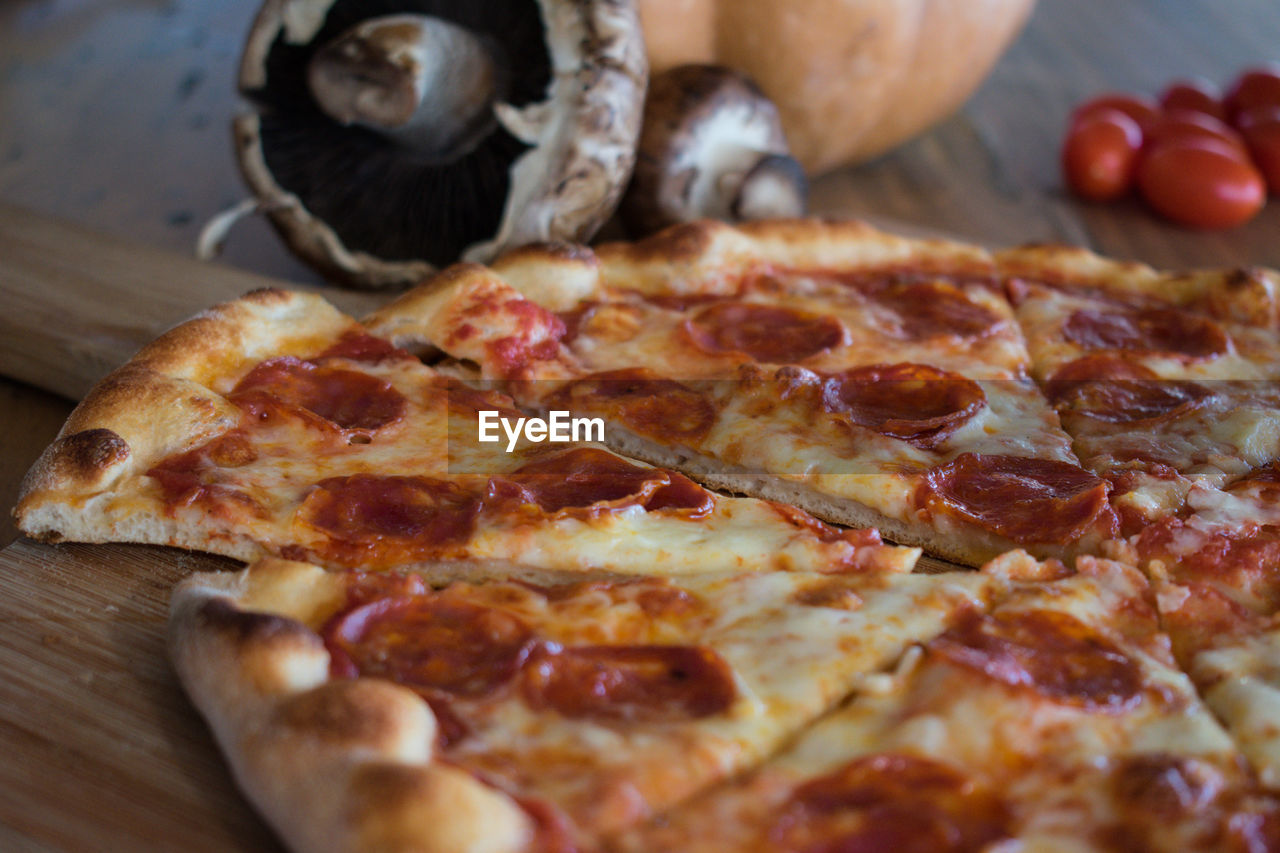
(424, 82)
(712, 147)
(775, 187)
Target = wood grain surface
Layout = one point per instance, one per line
(96, 299)
(114, 116)
(102, 751)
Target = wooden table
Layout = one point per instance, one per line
(114, 115)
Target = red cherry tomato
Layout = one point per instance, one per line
(1256, 87)
(1198, 95)
(1140, 108)
(1189, 124)
(1200, 183)
(1262, 134)
(1256, 116)
(1100, 154)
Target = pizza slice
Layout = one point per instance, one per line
(1216, 567)
(275, 425)
(1057, 721)
(1230, 649)
(368, 711)
(1168, 385)
(872, 380)
(1164, 381)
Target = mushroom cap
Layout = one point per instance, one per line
(700, 121)
(364, 210)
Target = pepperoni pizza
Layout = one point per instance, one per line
(275, 425)
(370, 712)
(1170, 387)
(872, 380)
(1056, 721)
(449, 644)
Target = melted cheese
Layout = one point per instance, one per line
(1243, 688)
(796, 643)
(292, 456)
(1237, 427)
(1051, 762)
(758, 430)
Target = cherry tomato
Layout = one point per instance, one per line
(1196, 94)
(1140, 108)
(1256, 87)
(1100, 154)
(1189, 124)
(1200, 183)
(1262, 134)
(1256, 116)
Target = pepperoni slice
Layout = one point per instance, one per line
(1052, 653)
(590, 477)
(891, 802)
(1166, 787)
(1135, 401)
(1164, 331)
(662, 408)
(196, 476)
(630, 683)
(364, 587)
(1028, 500)
(1260, 484)
(936, 308)
(769, 333)
(915, 403)
(361, 346)
(431, 642)
(1115, 390)
(1094, 367)
(391, 516)
(348, 398)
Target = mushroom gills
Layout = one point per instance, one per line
(423, 82)
(391, 137)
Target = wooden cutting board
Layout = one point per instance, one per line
(78, 303)
(101, 750)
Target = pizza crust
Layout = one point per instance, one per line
(158, 403)
(332, 765)
(1248, 296)
(692, 258)
(685, 259)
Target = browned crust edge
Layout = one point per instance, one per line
(1248, 296)
(332, 765)
(686, 258)
(162, 401)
